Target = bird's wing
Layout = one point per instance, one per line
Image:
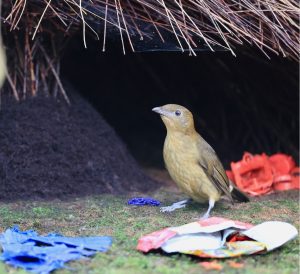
(213, 168)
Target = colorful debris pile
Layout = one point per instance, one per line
(217, 237)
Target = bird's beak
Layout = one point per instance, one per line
(160, 111)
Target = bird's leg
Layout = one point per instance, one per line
(175, 206)
(210, 207)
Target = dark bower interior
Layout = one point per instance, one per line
(243, 103)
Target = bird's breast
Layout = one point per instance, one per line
(179, 152)
(181, 159)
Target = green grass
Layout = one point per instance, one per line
(110, 215)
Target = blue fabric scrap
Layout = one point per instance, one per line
(43, 254)
(140, 201)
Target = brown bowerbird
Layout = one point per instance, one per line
(192, 163)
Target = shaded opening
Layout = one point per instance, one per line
(247, 103)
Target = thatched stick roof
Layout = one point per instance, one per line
(32, 28)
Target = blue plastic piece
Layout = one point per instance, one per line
(43, 254)
(140, 201)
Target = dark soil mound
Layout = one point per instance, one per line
(51, 150)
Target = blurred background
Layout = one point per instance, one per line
(244, 103)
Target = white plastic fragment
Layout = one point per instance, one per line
(273, 234)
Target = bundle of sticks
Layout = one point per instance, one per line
(35, 31)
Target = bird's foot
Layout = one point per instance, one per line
(205, 216)
(174, 206)
(207, 213)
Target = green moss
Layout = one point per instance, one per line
(110, 215)
(41, 211)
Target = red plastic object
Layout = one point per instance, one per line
(282, 164)
(238, 238)
(253, 174)
(260, 174)
(288, 182)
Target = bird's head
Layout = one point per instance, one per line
(176, 118)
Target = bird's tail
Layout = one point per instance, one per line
(238, 195)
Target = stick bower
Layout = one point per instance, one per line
(35, 32)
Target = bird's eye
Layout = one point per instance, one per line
(177, 112)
